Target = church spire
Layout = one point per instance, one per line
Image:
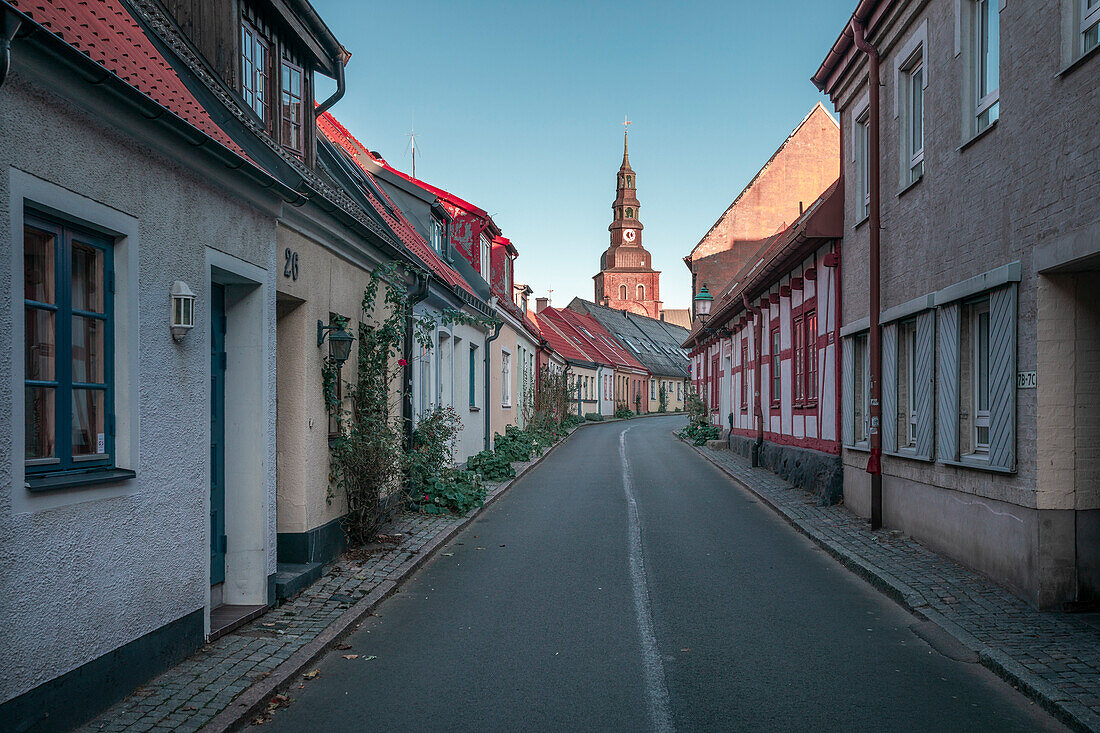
(626, 155)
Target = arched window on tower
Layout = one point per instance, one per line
(629, 213)
(641, 292)
(622, 292)
(628, 181)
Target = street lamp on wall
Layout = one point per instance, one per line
(182, 317)
(703, 299)
(339, 342)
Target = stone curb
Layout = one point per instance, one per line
(1052, 700)
(253, 700)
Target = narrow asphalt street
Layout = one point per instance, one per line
(659, 597)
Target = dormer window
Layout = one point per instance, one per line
(256, 71)
(438, 233)
(291, 81)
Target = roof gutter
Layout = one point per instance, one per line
(342, 58)
(843, 43)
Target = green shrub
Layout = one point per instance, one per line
(492, 467)
(453, 491)
(624, 412)
(593, 416)
(699, 434)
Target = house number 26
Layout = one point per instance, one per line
(290, 264)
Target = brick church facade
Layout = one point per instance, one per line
(627, 280)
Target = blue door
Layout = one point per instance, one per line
(217, 434)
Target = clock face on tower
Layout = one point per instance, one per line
(628, 235)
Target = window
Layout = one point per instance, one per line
(622, 292)
(987, 62)
(679, 392)
(744, 374)
(334, 416)
(438, 235)
(777, 377)
(486, 254)
(976, 380)
(863, 162)
(507, 271)
(913, 85)
(974, 397)
(629, 213)
(861, 391)
(68, 348)
(255, 71)
(505, 379)
(798, 359)
(473, 375)
(291, 80)
(628, 182)
(641, 292)
(1089, 24)
(811, 357)
(653, 389)
(906, 385)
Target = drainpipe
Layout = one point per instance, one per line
(488, 367)
(8, 28)
(417, 294)
(758, 319)
(874, 340)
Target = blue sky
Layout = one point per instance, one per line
(519, 110)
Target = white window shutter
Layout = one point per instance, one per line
(890, 387)
(925, 367)
(847, 403)
(1002, 377)
(947, 397)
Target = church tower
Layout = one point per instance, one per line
(626, 280)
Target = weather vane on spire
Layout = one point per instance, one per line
(626, 126)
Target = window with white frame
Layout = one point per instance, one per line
(906, 384)
(505, 379)
(863, 163)
(976, 380)
(861, 392)
(912, 86)
(974, 367)
(1088, 25)
(438, 234)
(986, 62)
(486, 257)
(653, 389)
(777, 380)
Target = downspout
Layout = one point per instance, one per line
(416, 295)
(874, 339)
(758, 318)
(8, 29)
(336, 96)
(488, 367)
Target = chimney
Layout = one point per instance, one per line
(540, 304)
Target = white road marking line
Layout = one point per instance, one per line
(656, 689)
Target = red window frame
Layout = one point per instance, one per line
(744, 372)
(798, 358)
(777, 376)
(714, 382)
(810, 319)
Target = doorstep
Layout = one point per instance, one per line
(292, 578)
(227, 617)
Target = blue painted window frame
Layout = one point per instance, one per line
(473, 375)
(64, 234)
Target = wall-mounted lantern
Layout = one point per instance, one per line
(703, 299)
(339, 342)
(182, 317)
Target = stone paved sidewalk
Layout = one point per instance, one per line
(1053, 657)
(199, 691)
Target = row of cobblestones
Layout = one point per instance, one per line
(1054, 657)
(190, 694)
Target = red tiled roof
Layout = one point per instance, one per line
(561, 342)
(595, 338)
(339, 135)
(106, 33)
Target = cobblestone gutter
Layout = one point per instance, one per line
(1054, 658)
